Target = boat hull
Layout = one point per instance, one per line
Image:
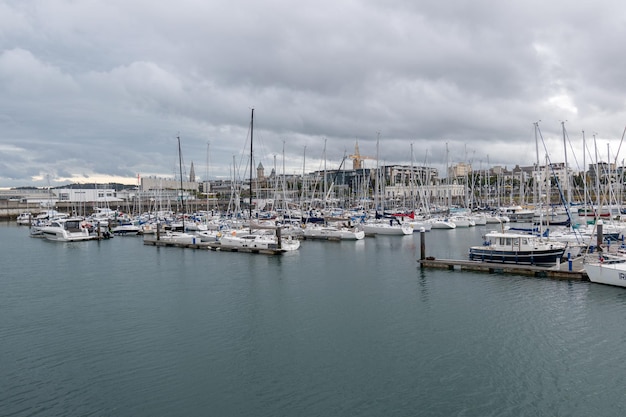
(386, 229)
(537, 257)
(332, 233)
(607, 273)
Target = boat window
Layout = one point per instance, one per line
(524, 241)
(516, 242)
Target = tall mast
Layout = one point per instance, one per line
(586, 201)
(567, 179)
(206, 180)
(324, 202)
(180, 167)
(597, 178)
(251, 162)
(536, 173)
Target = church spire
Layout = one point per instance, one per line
(192, 173)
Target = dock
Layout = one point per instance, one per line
(214, 246)
(558, 272)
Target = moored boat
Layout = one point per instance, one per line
(609, 272)
(126, 229)
(515, 248)
(24, 219)
(179, 237)
(258, 240)
(329, 232)
(66, 230)
(382, 227)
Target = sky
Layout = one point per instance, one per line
(101, 90)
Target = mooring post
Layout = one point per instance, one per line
(158, 231)
(569, 261)
(599, 236)
(422, 245)
(279, 238)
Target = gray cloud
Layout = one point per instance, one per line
(102, 89)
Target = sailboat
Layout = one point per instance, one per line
(179, 236)
(382, 224)
(259, 239)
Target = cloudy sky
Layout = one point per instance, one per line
(99, 90)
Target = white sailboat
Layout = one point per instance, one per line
(267, 237)
(332, 232)
(607, 272)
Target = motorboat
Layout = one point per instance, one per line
(517, 248)
(66, 230)
(24, 219)
(126, 229)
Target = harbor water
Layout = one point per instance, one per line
(117, 328)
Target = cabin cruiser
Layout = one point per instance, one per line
(517, 248)
(66, 230)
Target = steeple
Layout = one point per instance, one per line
(260, 171)
(192, 173)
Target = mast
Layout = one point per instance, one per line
(324, 202)
(411, 181)
(206, 180)
(585, 197)
(284, 185)
(567, 179)
(536, 173)
(448, 198)
(597, 211)
(180, 167)
(251, 162)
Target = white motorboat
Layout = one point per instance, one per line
(24, 219)
(66, 230)
(126, 229)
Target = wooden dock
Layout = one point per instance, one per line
(214, 246)
(560, 272)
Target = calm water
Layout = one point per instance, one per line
(116, 328)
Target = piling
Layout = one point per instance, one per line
(279, 237)
(599, 235)
(569, 261)
(422, 245)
